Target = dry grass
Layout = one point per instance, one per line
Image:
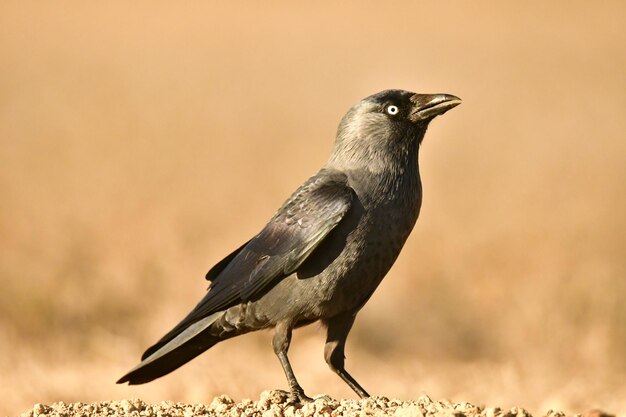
(141, 141)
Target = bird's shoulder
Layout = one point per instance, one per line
(325, 194)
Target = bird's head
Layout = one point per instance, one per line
(389, 124)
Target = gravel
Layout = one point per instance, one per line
(276, 404)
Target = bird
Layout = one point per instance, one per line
(324, 252)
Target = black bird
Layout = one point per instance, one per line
(325, 250)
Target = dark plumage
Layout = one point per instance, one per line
(325, 250)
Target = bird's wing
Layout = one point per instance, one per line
(219, 267)
(296, 229)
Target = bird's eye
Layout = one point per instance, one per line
(392, 110)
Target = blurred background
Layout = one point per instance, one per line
(143, 141)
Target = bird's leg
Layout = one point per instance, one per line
(280, 342)
(338, 329)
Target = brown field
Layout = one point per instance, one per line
(142, 141)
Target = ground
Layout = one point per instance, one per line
(276, 404)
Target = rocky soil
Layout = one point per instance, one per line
(276, 404)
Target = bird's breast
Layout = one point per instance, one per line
(372, 246)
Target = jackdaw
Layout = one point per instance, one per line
(324, 252)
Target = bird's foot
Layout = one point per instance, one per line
(297, 396)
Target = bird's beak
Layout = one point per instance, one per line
(428, 106)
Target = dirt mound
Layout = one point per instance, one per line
(275, 404)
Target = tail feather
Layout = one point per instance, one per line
(164, 357)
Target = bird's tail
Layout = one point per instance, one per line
(166, 356)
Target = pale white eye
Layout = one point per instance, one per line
(392, 110)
